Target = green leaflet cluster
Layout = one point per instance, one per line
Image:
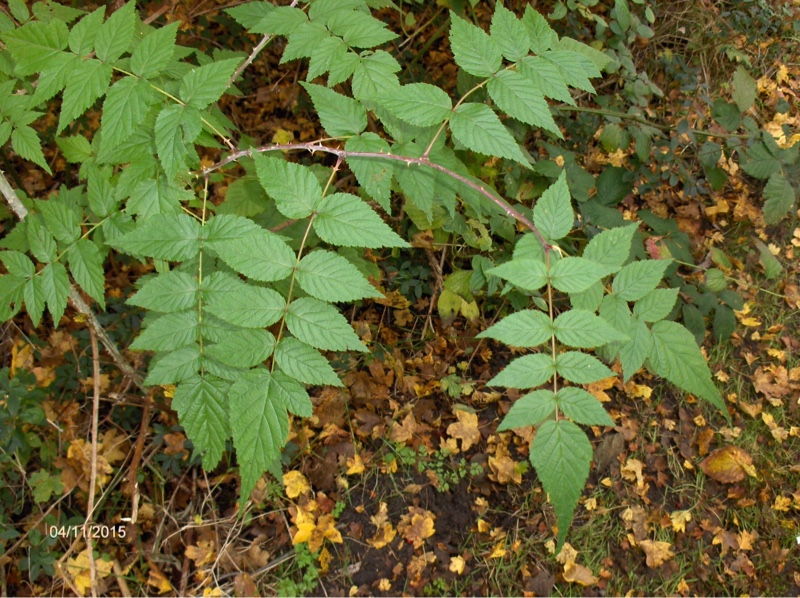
(639, 336)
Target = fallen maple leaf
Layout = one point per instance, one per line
(679, 520)
(405, 431)
(417, 525)
(79, 568)
(457, 565)
(355, 465)
(202, 553)
(296, 484)
(504, 468)
(657, 553)
(574, 573)
(728, 465)
(466, 429)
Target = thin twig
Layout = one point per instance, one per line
(93, 476)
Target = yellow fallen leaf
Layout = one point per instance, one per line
(632, 470)
(417, 525)
(384, 585)
(657, 553)
(782, 503)
(296, 484)
(202, 553)
(680, 519)
(158, 580)
(498, 551)
(355, 465)
(574, 573)
(465, 429)
(79, 569)
(213, 593)
(457, 565)
(728, 465)
(568, 553)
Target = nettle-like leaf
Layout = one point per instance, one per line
(477, 127)
(474, 50)
(343, 219)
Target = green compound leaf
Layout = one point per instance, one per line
(116, 34)
(373, 174)
(477, 127)
(34, 300)
(168, 332)
(320, 325)
(86, 83)
(62, 220)
(575, 68)
(633, 353)
(259, 424)
(655, 305)
(338, 114)
(174, 366)
(330, 277)
(635, 280)
(35, 46)
(154, 52)
(527, 328)
(528, 371)
(545, 78)
(345, 220)
(528, 274)
(292, 394)
(509, 33)
(515, 95)
(248, 306)
(375, 76)
(304, 363)
(561, 454)
(243, 348)
(611, 248)
(574, 274)
(18, 264)
(40, 241)
(260, 255)
(582, 407)
(76, 149)
(125, 109)
(581, 368)
(420, 104)
(529, 410)
(86, 266)
(780, 198)
(358, 29)
(27, 144)
(205, 84)
(12, 292)
(172, 237)
(171, 139)
(474, 51)
(168, 292)
(55, 288)
(552, 213)
(582, 329)
(540, 35)
(676, 357)
(294, 188)
(202, 408)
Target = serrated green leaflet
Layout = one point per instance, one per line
(168, 292)
(581, 368)
(374, 175)
(154, 52)
(474, 51)
(26, 143)
(358, 29)
(205, 84)
(528, 328)
(583, 329)
(169, 332)
(18, 264)
(116, 34)
(575, 69)
(292, 394)
(174, 366)
(261, 255)
(635, 280)
(633, 353)
(33, 46)
(529, 247)
(248, 306)
(655, 305)
(243, 348)
(616, 312)
(61, 219)
(780, 198)
(34, 299)
(203, 411)
(515, 95)
(611, 248)
(561, 454)
(528, 371)
(87, 82)
(345, 220)
(40, 241)
(509, 34)
(540, 34)
(304, 363)
(320, 325)
(294, 188)
(375, 76)
(545, 77)
(675, 356)
(86, 266)
(574, 274)
(529, 410)
(590, 299)
(552, 213)
(330, 277)
(55, 288)
(420, 104)
(478, 128)
(228, 227)
(338, 114)
(76, 148)
(527, 274)
(259, 425)
(172, 237)
(582, 407)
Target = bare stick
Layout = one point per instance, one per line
(93, 477)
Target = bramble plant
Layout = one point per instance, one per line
(242, 307)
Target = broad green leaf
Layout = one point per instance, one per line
(772, 267)
(156, 196)
(676, 357)
(475, 52)
(574, 274)
(320, 325)
(248, 306)
(18, 264)
(616, 312)
(744, 89)
(34, 300)
(304, 363)
(581, 368)
(282, 20)
(598, 58)
(321, 56)
(174, 366)
(780, 198)
(375, 76)
(87, 82)
(515, 95)
(34, 46)
(552, 213)
(168, 292)
(228, 227)
(54, 77)
(582, 407)
(243, 348)
(633, 353)
(294, 188)
(338, 114)
(420, 104)
(529, 410)
(583, 329)
(540, 36)
(655, 305)
(12, 292)
(374, 175)
(528, 371)
(545, 78)
(330, 277)
(170, 141)
(124, 111)
(527, 328)
(589, 299)
(205, 84)
(622, 14)
(302, 42)
(359, 29)
(637, 279)
(261, 255)
(574, 68)
(28, 146)
(259, 424)
(252, 14)
(292, 394)
(40, 241)
(529, 247)
(611, 248)
(116, 34)
(168, 332)
(154, 52)
(509, 33)
(172, 237)
(477, 127)
(76, 149)
(527, 274)
(61, 219)
(86, 266)
(55, 287)
(759, 162)
(245, 197)
(343, 219)
(202, 406)
(21, 13)
(561, 454)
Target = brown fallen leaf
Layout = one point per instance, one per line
(465, 429)
(728, 465)
(657, 553)
(417, 525)
(574, 573)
